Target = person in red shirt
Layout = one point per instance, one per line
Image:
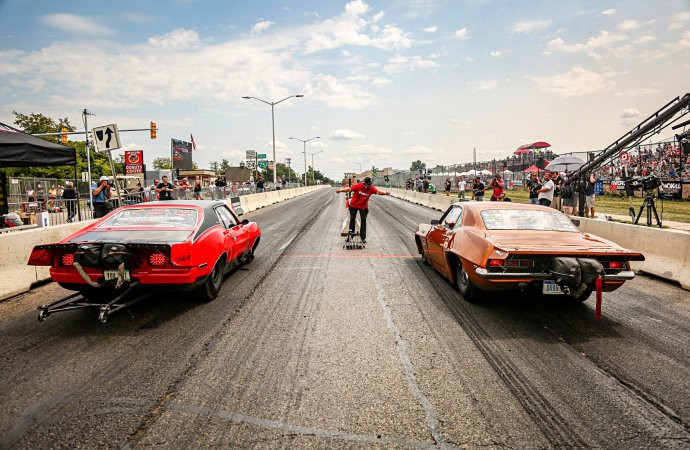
(360, 202)
(498, 185)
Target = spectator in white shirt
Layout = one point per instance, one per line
(545, 196)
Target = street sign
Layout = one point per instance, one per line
(251, 154)
(349, 174)
(262, 155)
(251, 164)
(106, 138)
(262, 164)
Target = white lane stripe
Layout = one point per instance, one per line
(431, 416)
(291, 428)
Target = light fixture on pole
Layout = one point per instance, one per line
(304, 150)
(273, 127)
(313, 171)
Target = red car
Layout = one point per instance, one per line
(190, 244)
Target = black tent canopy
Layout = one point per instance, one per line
(19, 149)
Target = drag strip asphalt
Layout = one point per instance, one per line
(316, 346)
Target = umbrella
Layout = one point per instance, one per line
(566, 163)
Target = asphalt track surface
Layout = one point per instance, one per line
(316, 346)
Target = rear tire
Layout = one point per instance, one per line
(214, 280)
(469, 291)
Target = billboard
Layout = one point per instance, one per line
(181, 154)
(134, 161)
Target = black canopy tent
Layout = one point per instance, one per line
(18, 149)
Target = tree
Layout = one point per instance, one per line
(38, 123)
(282, 171)
(224, 165)
(215, 167)
(162, 163)
(417, 166)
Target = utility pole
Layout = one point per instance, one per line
(85, 115)
(474, 157)
(287, 160)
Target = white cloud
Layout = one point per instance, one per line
(344, 134)
(484, 85)
(462, 33)
(628, 113)
(337, 93)
(261, 26)
(496, 53)
(279, 145)
(682, 16)
(431, 29)
(530, 26)
(593, 46)
(576, 82)
(417, 150)
(72, 23)
(609, 12)
(378, 16)
(400, 63)
(644, 39)
(176, 39)
(628, 25)
(675, 26)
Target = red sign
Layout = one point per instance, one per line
(134, 157)
(134, 161)
(625, 158)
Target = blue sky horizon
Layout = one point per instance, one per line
(384, 82)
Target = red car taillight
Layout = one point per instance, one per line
(41, 257)
(496, 262)
(158, 259)
(67, 259)
(617, 265)
(513, 263)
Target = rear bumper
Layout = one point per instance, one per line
(172, 276)
(510, 276)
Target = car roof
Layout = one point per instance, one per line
(481, 206)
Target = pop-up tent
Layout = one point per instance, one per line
(533, 168)
(19, 149)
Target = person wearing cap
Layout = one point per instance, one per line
(100, 194)
(360, 202)
(478, 189)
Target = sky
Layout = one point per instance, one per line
(384, 82)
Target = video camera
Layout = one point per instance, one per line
(647, 184)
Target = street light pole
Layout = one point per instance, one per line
(287, 160)
(304, 150)
(313, 170)
(273, 127)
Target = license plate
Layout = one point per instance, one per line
(551, 288)
(112, 275)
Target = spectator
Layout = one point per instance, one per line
(498, 186)
(569, 203)
(220, 186)
(545, 196)
(260, 184)
(425, 185)
(165, 189)
(70, 196)
(197, 189)
(278, 184)
(100, 197)
(557, 182)
(478, 189)
(183, 187)
(589, 196)
(30, 195)
(283, 183)
(533, 185)
(52, 196)
(447, 186)
(461, 187)
(41, 198)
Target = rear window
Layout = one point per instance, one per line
(525, 219)
(152, 217)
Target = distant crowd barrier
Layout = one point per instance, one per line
(667, 252)
(16, 277)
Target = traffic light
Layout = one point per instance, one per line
(63, 138)
(153, 130)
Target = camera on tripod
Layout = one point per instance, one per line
(647, 184)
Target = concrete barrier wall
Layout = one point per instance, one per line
(16, 277)
(667, 252)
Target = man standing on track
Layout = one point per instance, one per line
(360, 202)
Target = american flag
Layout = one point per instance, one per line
(193, 143)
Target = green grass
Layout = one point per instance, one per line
(677, 210)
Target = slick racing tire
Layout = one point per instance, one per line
(582, 297)
(469, 291)
(214, 280)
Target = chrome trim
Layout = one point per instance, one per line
(482, 272)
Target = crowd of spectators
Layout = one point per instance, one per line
(662, 159)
